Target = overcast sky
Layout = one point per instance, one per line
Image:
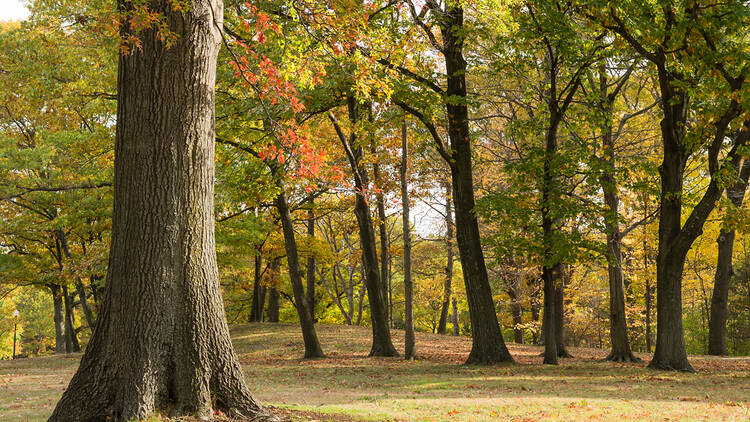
(11, 10)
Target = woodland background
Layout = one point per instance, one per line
(287, 73)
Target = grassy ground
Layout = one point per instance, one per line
(436, 387)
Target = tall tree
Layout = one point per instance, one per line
(381, 334)
(488, 346)
(689, 45)
(443, 322)
(311, 261)
(410, 351)
(717, 323)
(162, 342)
(310, 337)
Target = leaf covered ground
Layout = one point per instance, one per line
(350, 386)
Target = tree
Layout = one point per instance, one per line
(449, 262)
(488, 346)
(310, 337)
(717, 325)
(410, 350)
(701, 98)
(381, 334)
(162, 343)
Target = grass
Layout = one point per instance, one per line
(349, 386)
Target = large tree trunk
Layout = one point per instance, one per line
(717, 324)
(670, 350)
(71, 337)
(449, 264)
(410, 351)
(59, 318)
(487, 346)
(381, 334)
(162, 343)
(311, 262)
(312, 345)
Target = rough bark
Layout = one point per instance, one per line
(309, 336)
(449, 261)
(488, 346)
(162, 343)
(59, 318)
(311, 263)
(381, 335)
(410, 351)
(717, 324)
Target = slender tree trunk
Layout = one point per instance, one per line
(562, 351)
(90, 320)
(71, 337)
(618, 329)
(381, 334)
(311, 262)
(456, 328)
(383, 230)
(410, 351)
(648, 288)
(550, 275)
(449, 264)
(514, 293)
(535, 337)
(488, 346)
(717, 325)
(310, 337)
(256, 308)
(59, 318)
(273, 290)
(551, 271)
(162, 342)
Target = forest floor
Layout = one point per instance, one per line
(349, 386)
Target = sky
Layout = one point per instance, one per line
(11, 10)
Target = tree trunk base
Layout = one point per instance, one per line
(670, 366)
(383, 351)
(622, 357)
(501, 355)
(314, 354)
